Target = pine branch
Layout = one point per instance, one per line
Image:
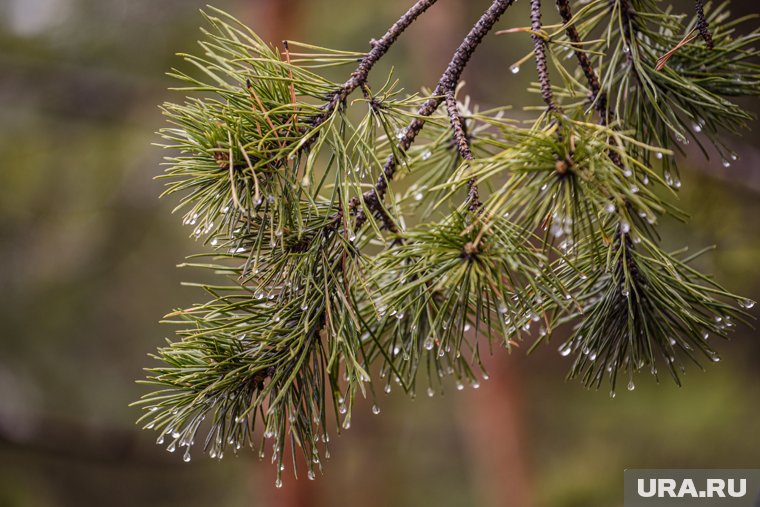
(598, 97)
(703, 25)
(539, 51)
(463, 146)
(312, 300)
(379, 48)
(446, 83)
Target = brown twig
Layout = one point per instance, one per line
(463, 146)
(702, 25)
(539, 51)
(598, 96)
(379, 48)
(373, 198)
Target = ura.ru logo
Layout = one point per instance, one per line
(671, 488)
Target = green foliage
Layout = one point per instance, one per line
(333, 280)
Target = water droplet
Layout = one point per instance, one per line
(634, 189)
(467, 327)
(631, 385)
(400, 315)
(214, 242)
(658, 155)
(278, 483)
(430, 392)
(716, 358)
(387, 388)
(627, 173)
(476, 385)
(747, 303)
(612, 394)
(460, 386)
(697, 127)
(502, 309)
(346, 423)
(726, 163)
(375, 409)
(625, 292)
(565, 350)
(677, 183)
(186, 457)
(311, 475)
(426, 155)
(514, 69)
(172, 447)
(342, 408)
(428, 344)
(734, 156)
(610, 208)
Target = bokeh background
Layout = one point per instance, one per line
(87, 268)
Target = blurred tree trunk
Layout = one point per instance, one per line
(492, 425)
(274, 20)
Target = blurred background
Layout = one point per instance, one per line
(87, 268)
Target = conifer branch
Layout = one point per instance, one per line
(270, 179)
(446, 83)
(703, 26)
(379, 48)
(463, 146)
(539, 51)
(598, 97)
